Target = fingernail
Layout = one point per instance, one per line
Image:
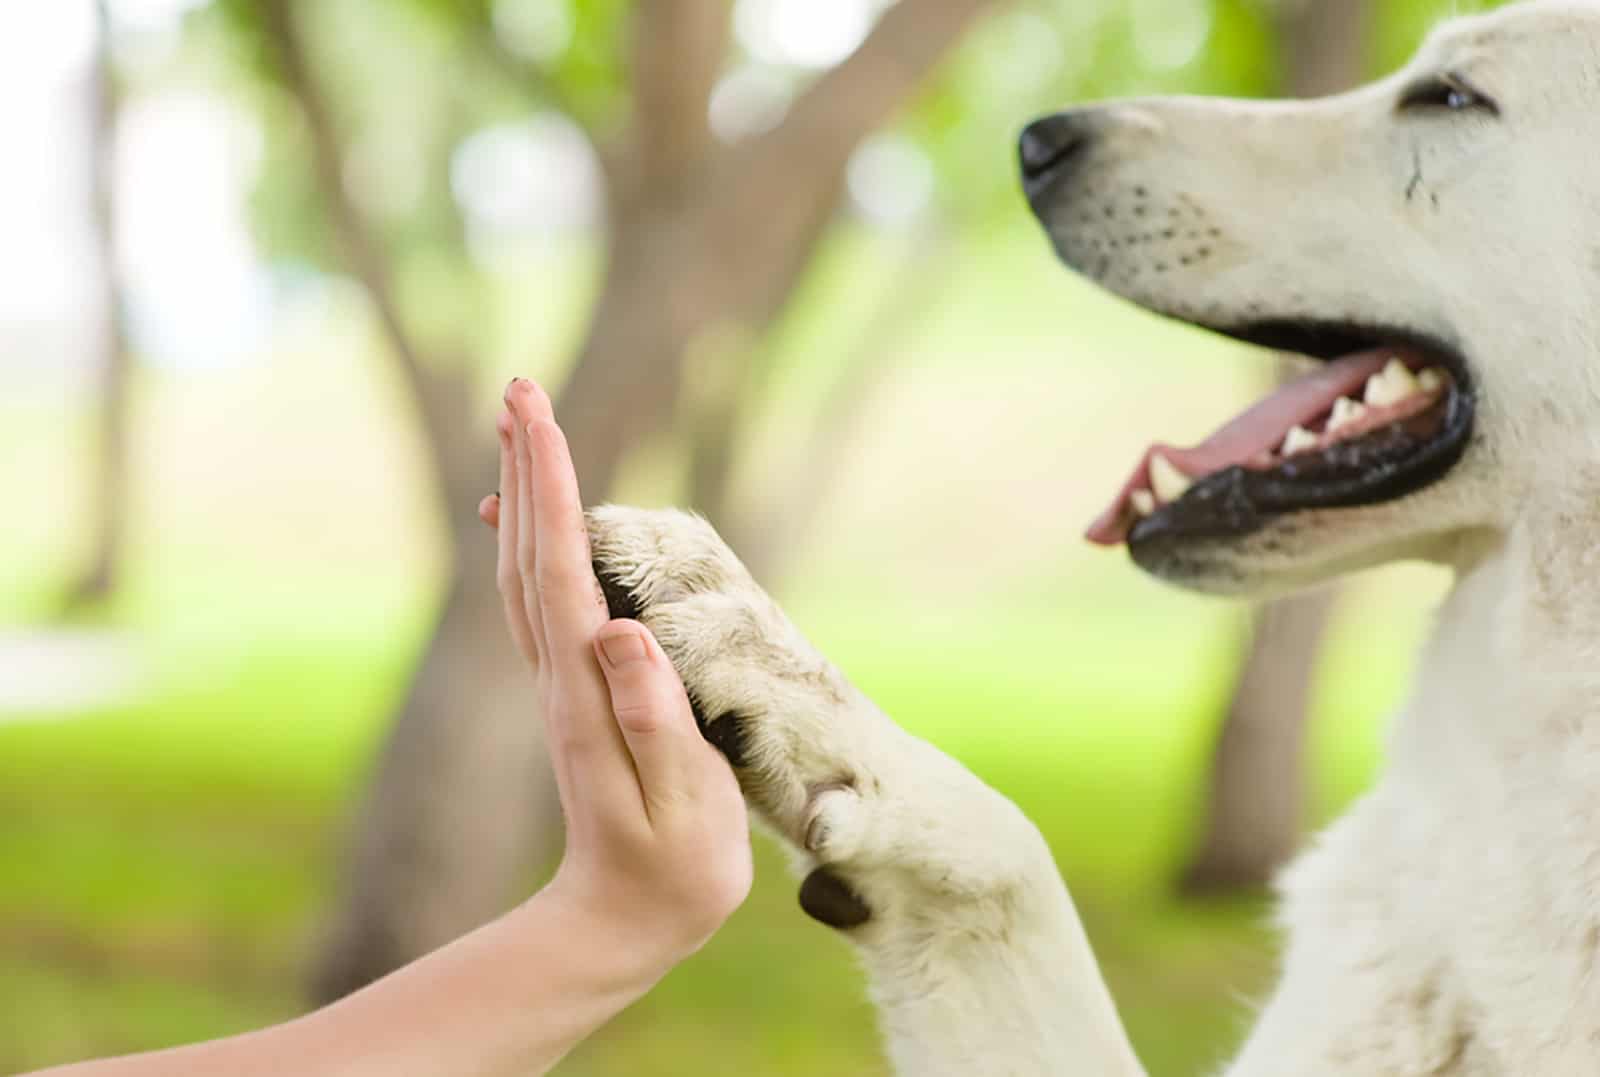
(623, 648)
(511, 385)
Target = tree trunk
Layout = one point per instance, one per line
(703, 239)
(1257, 798)
(1258, 772)
(461, 808)
(767, 538)
(1325, 44)
(109, 468)
(462, 803)
(709, 243)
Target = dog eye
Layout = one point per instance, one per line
(1448, 92)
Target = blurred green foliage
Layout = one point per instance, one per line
(166, 864)
(163, 865)
(411, 81)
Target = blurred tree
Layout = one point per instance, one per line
(1257, 778)
(1028, 57)
(769, 535)
(706, 241)
(368, 108)
(462, 801)
(109, 480)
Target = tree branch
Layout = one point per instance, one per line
(538, 83)
(701, 239)
(878, 352)
(678, 51)
(861, 93)
(1324, 44)
(109, 476)
(530, 78)
(361, 248)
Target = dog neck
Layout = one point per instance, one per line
(1514, 661)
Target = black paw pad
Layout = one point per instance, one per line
(728, 734)
(619, 600)
(827, 899)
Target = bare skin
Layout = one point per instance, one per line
(657, 854)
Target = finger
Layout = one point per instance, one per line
(507, 575)
(652, 710)
(570, 600)
(489, 510)
(526, 549)
(587, 746)
(528, 403)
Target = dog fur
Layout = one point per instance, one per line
(1449, 925)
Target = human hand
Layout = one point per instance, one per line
(657, 836)
(658, 845)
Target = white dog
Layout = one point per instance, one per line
(1436, 239)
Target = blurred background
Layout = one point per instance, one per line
(266, 266)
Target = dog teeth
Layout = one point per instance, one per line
(1345, 412)
(1168, 482)
(1392, 385)
(1431, 380)
(1144, 503)
(1299, 440)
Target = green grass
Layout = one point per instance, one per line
(165, 869)
(165, 865)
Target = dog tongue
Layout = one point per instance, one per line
(1253, 437)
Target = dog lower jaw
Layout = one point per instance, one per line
(1316, 416)
(1228, 509)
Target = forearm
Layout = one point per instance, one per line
(657, 855)
(509, 1000)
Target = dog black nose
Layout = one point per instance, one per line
(1052, 146)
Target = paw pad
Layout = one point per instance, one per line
(828, 899)
(729, 734)
(620, 602)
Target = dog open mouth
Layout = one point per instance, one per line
(1383, 417)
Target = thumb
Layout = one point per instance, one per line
(652, 710)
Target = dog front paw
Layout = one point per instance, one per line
(761, 693)
(881, 820)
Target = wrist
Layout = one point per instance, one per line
(512, 997)
(624, 951)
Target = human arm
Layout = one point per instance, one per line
(657, 851)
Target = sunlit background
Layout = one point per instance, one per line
(253, 327)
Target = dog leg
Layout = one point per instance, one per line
(978, 961)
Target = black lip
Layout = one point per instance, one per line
(1385, 465)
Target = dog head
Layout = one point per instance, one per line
(1433, 240)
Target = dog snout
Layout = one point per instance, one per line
(1053, 148)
